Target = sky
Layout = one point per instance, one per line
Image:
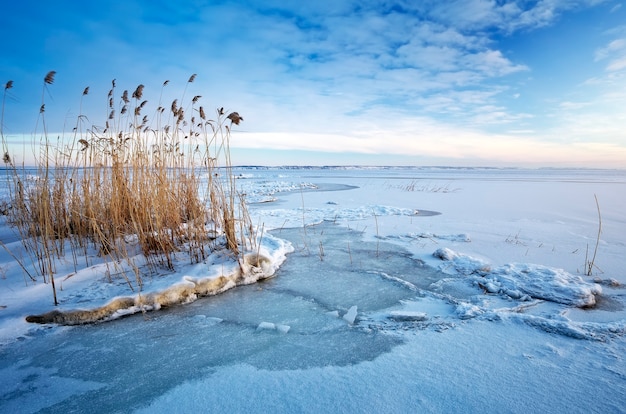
(462, 83)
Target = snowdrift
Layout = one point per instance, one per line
(252, 268)
(524, 281)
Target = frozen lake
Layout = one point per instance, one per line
(111, 363)
(408, 290)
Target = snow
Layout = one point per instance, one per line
(524, 280)
(382, 290)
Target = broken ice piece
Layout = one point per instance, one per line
(407, 316)
(350, 316)
(283, 328)
(268, 326)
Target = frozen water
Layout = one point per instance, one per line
(288, 322)
(337, 302)
(352, 322)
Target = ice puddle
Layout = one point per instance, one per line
(337, 300)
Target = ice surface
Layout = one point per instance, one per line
(21, 379)
(281, 323)
(481, 328)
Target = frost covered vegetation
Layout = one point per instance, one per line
(155, 186)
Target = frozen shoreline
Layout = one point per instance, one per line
(434, 208)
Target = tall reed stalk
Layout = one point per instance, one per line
(160, 187)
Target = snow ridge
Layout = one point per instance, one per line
(252, 269)
(524, 280)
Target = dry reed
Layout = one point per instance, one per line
(161, 187)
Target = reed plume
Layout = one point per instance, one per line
(99, 188)
(235, 118)
(49, 79)
(138, 92)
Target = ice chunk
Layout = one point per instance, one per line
(407, 316)
(466, 310)
(266, 326)
(445, 254)
(516, 294)
(462, 263)
(491, 287)
(269, 326)
(542, 282)
(283, 328)
(350, 316)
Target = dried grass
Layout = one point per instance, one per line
(163, 191)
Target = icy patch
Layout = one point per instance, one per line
(37, 388)
(518, 280)
(431, 311)
(312, 216)
(263, 191)
(269, 326)
(460, 237)
(208, 321)
(579, 330)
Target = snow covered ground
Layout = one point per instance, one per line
(394, 290)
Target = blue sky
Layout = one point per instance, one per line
(471, 83)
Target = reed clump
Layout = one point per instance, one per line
(158, 186)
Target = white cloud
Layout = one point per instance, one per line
(473, 14)
(492, 63)
(615, 53)
(617, 64)
(506, 16)
(615, 46)
(494, 115)
(567, 105)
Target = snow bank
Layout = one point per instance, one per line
(186, 291)
(252, 268)
(523, 281)
(578, 330)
